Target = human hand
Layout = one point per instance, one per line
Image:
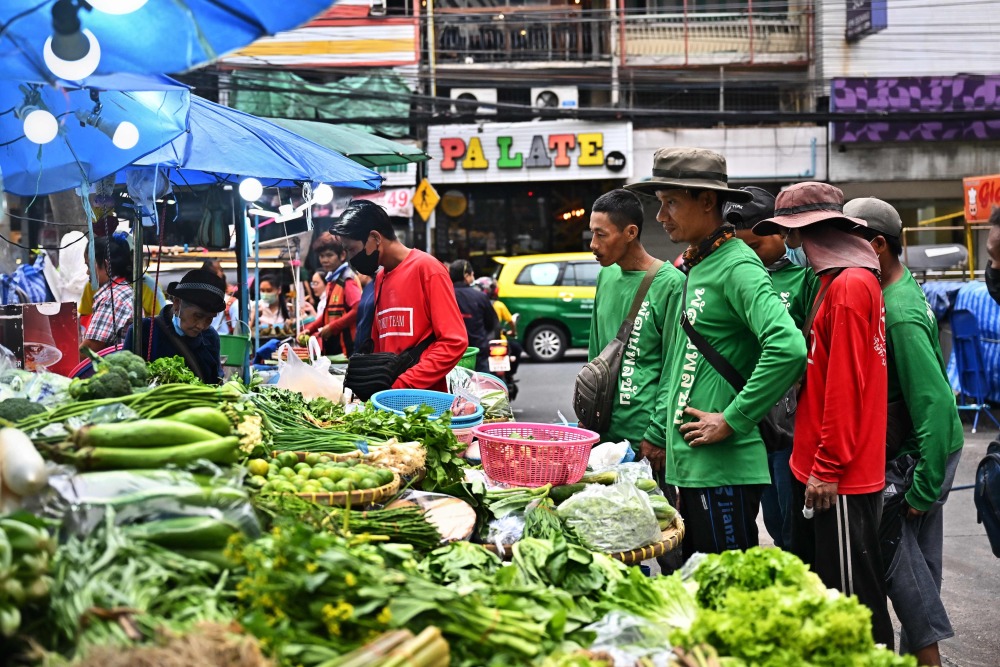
(708, 428)
(913, 513)
(820, 496)
(993, 246)
(657, 456)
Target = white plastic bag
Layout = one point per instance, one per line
(310, 381)
(611, 518)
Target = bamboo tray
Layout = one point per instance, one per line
(355, 498)
(670, 539)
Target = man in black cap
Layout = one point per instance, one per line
(796, 286)
(184, 328)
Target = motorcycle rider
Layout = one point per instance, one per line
(508, 328)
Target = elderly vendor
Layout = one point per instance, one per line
(184, 328)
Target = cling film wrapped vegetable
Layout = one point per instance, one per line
(611, 518)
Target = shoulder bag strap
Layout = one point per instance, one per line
(626, 328)
(816, 304)
(718, 362)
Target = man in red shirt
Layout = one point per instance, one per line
(838, 455)
(414, 298)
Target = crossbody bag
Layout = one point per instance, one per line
(777, 428)
(597, 382)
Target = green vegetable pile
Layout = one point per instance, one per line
(171, 370)
(16, 409)
(118, 374)
(25, 551)
(317, 474)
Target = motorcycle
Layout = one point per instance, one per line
(504, 360)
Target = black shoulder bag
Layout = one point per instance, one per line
(777, 428)
(597, 382)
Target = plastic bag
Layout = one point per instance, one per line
(608, 454)
(489, 391)
(79, 501)
(312, 382)
(628, 638)
(505, 532)
(611, 518)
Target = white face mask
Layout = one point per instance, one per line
(796, 256)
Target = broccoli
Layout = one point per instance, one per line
(108, 382)
(16, 409)
(133, 365)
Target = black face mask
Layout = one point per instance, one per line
(366, 263)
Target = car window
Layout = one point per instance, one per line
(581, 274)
(545, 274)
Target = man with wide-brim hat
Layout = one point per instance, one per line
(184, 328)
(838, 455)
(924, 440)
(714, 453)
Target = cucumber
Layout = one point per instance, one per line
(646, 485)
(219, 450)
(606, 478)
(141, 434)
(209, 419)
(562, 493)
(189, 532)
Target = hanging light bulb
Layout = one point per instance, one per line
(251, 189)
(71, 53)
(40, 126)
(322, 195)
(118, 7)
(126, 135)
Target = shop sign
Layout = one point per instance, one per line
(865, 17)
(397, 202)
(520, 152)
(982, 194)
(398, 175)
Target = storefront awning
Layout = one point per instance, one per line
(364, 148)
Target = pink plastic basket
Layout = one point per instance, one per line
(528, 454)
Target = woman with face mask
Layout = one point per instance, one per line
(272, 309)
(184, 328)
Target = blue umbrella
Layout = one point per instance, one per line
(84, 134)
(224, 145)
(152, 37)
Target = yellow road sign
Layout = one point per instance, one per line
(425, 199)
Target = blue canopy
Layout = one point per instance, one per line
(87, 119)
(225, 145)
(159, 37)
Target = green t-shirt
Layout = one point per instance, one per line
(797, 287)
(918, 375)
(731, 302)
(643, 363)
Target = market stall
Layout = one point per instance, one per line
(141, 508)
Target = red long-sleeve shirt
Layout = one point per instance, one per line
(411, 301)
(841, 419)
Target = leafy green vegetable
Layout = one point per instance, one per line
(171, 370)
(16, 409)
(502, 502)
(542, 521)
(752, 570)
(461, 563)
(611, 518)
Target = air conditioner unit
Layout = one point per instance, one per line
(487, 95)
(376, 8)
(555, 97)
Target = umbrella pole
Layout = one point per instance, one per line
(242, 253)
(137, 267)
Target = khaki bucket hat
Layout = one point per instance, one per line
(690, 168)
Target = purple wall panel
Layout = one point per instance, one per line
(915, 94)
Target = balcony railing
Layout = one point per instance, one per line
(550, 35)
(717, 39)
(523, 34)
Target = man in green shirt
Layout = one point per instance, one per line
(714, 452)
(796, 286)
(919, 477)
(616, 224)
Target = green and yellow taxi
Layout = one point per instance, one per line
(553, 296)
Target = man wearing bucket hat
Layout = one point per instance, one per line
(796, 286)
(184, 328)
(924, 444)
(838, 457)
(730, 317)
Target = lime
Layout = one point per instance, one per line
(273, 469)
(287, 459)
(258, 467)
(368, 483)
(299, 467)
(335, 474)
(312, 459)
(299, 480)
(384, 476)
(353, 462)
(344, 485)
(256, 481)
(317, 474)
(287, 473)
(325, 459)
(328, 485)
